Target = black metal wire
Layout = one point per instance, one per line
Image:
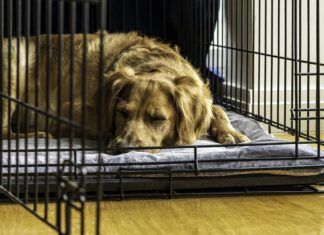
(308, 59)
(278, 62)
(9, 84)
(1, 83)
(247, 56)
(17, 110)
(47, 92)
(100, 114)
(271, 63)
(37, 78)
(318, 83)
(265, 58)
(236, 13)
(59, 102)
(253, 59)
(85, 11)
(295, 76)
(26, 116)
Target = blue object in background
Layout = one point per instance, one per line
(218, 75)
(216, 79)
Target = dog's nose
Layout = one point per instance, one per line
(120, 147)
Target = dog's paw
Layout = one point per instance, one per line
(38, 135)
(5, 132)
(232, 137)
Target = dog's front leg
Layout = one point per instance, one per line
(5, 120)
(9, 89)
(77, 108)
(222, 130)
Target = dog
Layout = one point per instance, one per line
(150, 95)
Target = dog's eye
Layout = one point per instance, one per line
(158, 118)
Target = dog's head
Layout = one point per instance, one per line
(152, 109)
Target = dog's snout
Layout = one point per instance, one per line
(123, 144)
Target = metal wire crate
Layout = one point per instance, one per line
(262, 59)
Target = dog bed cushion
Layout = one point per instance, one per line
(216, 161)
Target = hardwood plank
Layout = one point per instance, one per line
(303, 214)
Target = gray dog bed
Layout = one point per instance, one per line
(210, 159)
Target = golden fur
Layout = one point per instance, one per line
(152, 95)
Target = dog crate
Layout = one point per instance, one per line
(263, 59)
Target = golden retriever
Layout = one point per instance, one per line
(152, 95)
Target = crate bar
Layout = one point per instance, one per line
(236, 12)
(48, 20)
(259, 57)
(85, 23)
(271, 65)
(221, 21)
(247, 88)
(241, 54)
(203, 37)
(308, 110)
(318, 84)
(300, 56)
(148, 171)
(308, 65)
(285, 68)
(59, 73)
(294, 57)
(295, 66)
(18, 35)
(103, 13)
(195, 40)
(196, 165)
(226, 6)
(72, 22)
(211, 62)
(121, 185)
(27, 33)
(312, 74)
(232, 53)
(265, 58)
(270, 56)
(308, 118)
(1, 86)
(171, 192)
(200, 39)
(59, 103)
(37, 68)
(85, 14)
(278, 61)
(9, 82)
(253, 57)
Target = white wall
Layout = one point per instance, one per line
(272, 41)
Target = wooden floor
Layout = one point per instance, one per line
(221, 215)
(303, 214)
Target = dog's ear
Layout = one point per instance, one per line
(113, 86)
(193, 104)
